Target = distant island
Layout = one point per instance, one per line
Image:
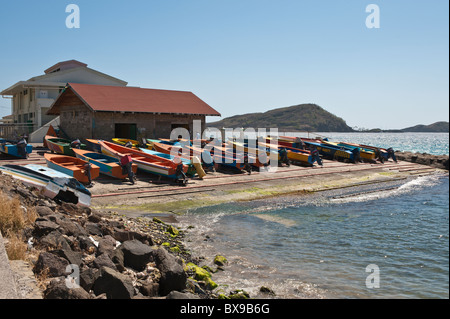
(438, 127)
(311, 118)
(303, 117)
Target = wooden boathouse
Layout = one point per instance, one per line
(104, 112)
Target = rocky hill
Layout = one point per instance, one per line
(438, 127)
(303, 117)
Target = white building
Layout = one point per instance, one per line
(31, 99)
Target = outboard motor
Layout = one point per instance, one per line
(76, 144)
(129, 144)
(22, 147)
(391, 154)
(357, 154)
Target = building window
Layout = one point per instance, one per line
(25, 92)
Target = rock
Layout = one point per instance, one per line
(173, 231)
(107, 245)
(54, 240)
(86, 244)
(70, 228)
(70, 209)
(124, 235)
(136, 254)
(74, 258)
(43, 226)
(180, 295)
(118, 260)
(87, 278)
(95, 217)
(173, 276)
(43, 211)
(93, 229)
(239, 294)
(437, 161)
(150, 289)
(220, 261)
(267, 290)
(55, 265)
(57, 289)
(114, 284)
(104, 261)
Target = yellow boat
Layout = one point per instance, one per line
(239, 147)
(136, 144)
(364, 153)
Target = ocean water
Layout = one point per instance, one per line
(334, 244)
(431, 143)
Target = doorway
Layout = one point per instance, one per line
(128, 131)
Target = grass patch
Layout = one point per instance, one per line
(13, 219)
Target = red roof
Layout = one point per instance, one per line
(132, 99)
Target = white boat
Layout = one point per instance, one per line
(52, 184)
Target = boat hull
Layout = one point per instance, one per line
(108, 165)
(60, 146)
(51, 183)
(74, 167)
(8, 148)
(145, 162)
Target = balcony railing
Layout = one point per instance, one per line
(15, 131)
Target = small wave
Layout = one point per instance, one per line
(409, 187)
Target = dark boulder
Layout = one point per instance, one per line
(136, 254)
(44, 211)
(173, 276)
(114, 284)
(51, 263)
(58, 289)
(43, 226)
(104, 261)
(106, 245)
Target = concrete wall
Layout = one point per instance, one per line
(76, 121)
(79, 122)
(148, 125)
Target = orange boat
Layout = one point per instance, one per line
(72, 166)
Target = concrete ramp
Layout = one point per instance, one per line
(8, 288)
(38, 135)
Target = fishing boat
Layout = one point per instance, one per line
(60, 145)
(296, 155)
(15, 149)
(72, 166)
(193, 168)
(93, 145)
(263, 154)
(380, 153)
(146, 162)
(108, 165)
(226, 154)
(333, 152)
(365, 154)
(51, 183)
(125, 141)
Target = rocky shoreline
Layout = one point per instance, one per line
(436, 161)
(80, 253)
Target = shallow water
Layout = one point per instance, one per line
(319, 246)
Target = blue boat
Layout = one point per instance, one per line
(12, 148)
(108, 165)
(164, 155)
(334, 152)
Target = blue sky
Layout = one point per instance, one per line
(243, 56)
